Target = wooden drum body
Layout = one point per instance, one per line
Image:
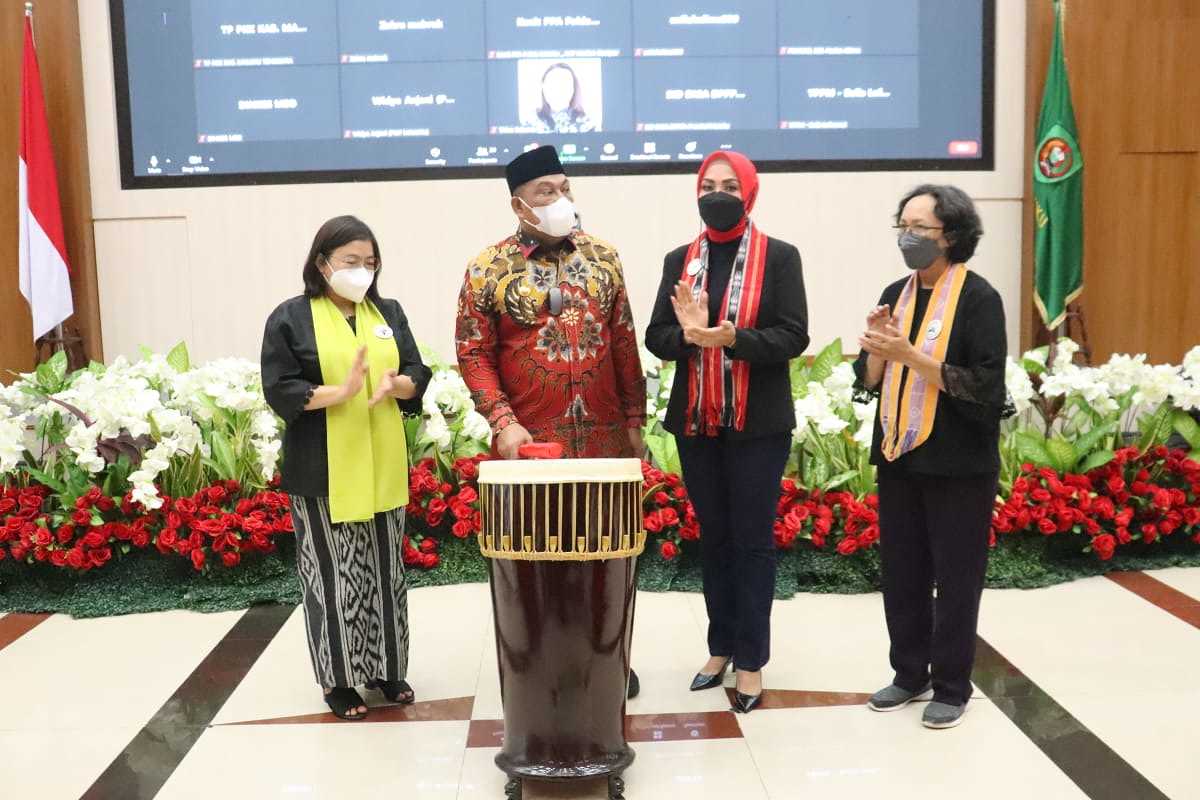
(562, 539)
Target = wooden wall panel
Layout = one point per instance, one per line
(1135, 86)
(1146, 258)
(56, 31)
(1159, 69)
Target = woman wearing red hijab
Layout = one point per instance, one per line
(731, 311)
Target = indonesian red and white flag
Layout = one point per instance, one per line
(45, 279)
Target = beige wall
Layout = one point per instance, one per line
(208, 265)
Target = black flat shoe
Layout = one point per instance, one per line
(745, 703)
(702, 681)
(635, 686)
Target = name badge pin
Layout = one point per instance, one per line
(383, 332)
(693, 268)
(934, 330)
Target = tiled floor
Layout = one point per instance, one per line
(115, 708)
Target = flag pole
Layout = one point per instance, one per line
(58, 329)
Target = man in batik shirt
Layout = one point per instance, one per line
(545, 336)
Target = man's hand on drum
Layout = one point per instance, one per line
(510, 440)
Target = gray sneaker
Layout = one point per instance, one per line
(942, 715)
(893, 698)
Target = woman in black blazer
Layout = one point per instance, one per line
(731, 310)
(340, 366)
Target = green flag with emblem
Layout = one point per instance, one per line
(1057, 193)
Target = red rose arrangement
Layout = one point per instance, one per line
(667, 511)
(215, 525)
(437, 502)
(835, 519)
(1135, 497)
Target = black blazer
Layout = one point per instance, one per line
(780, 335)
(291, 371)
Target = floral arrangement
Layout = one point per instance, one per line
(832, 439)
(668, 512)
(838, 520)
(1134, 497)
(153, 453)
(163, 457)
(153, 426)
(218, 524)
(438, 504)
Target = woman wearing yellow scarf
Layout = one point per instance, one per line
(340, 366)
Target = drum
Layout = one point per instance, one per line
(562, 539)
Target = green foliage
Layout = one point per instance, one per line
(1156, 428)
(1186, 427)
(819, 371)
(825, 362)
(178, 358)
(1062, 455)
(663, 450)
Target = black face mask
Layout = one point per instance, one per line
(721, 211)
(918, 251)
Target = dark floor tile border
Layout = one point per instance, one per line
(14, 626)
(485, 733)
(154, 754)
(797, 698)
(1168, 598)
(1094, 766)
(696, 726)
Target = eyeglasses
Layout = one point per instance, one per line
(919, 230)
(353, 262)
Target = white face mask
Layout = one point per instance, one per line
(556, 219)
(351, 283)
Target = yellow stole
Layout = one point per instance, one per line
(368, 454)
(907, 416)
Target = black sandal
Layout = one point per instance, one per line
(395, 691)
(341, 701)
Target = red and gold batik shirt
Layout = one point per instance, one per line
(574, 378)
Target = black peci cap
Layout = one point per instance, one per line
(533, 165)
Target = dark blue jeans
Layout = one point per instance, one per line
(734, 485)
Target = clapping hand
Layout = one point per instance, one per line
(358, 374)
(724, 335)
(691, 311)
(692, 314)
(888, 343)
(394, 385)
(879, 317)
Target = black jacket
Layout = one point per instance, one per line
(780, 335)
(291, 371)
(966, 430)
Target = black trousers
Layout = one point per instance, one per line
(734, 485)
(934, 533)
